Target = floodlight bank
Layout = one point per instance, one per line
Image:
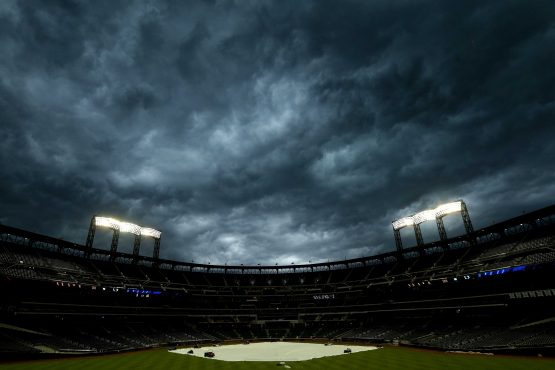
(428, 215)
(126, 227)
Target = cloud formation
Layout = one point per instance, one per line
(273, 131)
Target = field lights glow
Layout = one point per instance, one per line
(403, 222)
(150, 232)
(126, 227)
(448, 208)
(423, 216)
(428, 215)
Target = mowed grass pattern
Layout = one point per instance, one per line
(383, 359)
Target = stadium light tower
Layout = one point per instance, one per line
(436, 214)
(449, 208)
(119, 226)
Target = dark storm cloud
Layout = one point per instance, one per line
(273, 131)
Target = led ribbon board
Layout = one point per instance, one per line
(428, 215)
(126, 227)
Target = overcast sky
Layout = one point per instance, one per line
(273, 131)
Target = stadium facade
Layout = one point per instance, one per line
(490, 290)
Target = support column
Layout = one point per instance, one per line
(90, 237)
(136, 247)
(156, 253)
(398, 240)
(466, 219)
(114, 246)
(441, 228)
(418, 234)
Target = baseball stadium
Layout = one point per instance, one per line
(481, 300)
(268, 184)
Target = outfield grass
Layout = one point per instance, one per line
(383, 359)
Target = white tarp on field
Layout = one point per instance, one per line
(273, 351)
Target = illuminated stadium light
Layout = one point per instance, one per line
(428, 215)
(151, 232)
(424, 216)
(107, 222)
(436, 214)
(403, 222)
(449, 208)
(126, 227)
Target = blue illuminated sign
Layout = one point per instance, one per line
(143, 291)
(501, 271)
